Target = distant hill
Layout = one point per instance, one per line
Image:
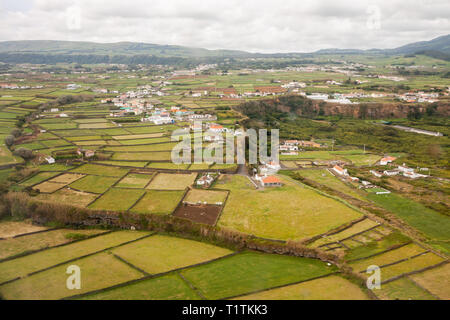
(440, 44)
(48, 51)
(120, 48)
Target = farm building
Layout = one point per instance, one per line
(340, 171)
(205, 181)
(269, 181)
(386, 160)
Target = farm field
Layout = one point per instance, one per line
(323, 176)
(23, 266)
(328, 288)
(158, 202)
(249, 272)
(117, 199)
(257, 211)
(165, 181)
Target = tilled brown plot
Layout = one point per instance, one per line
(206, 214)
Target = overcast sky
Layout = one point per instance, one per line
(251, 25)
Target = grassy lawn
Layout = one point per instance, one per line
(138, 181)
(101, 170)
(208, 196)
(290, 212)
(165, 181)
(14, 246)
(21, 267)
(158, 254)
(75, 198)
(158, 202)
(329, 288)
(432, 224)
(98, 271)
(94, 184)
(403, 289)
(169, 287)
(324, 177)
(437, 281)
(117, 199)
(363, 159)
(250, 271)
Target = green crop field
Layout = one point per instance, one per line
(165, 181)
(101, 170)
(328, 288)
(290, 212)
(159, 254)
(117, 199)
(249, 272)
(158, 202)
(23, 266)
(94, 184)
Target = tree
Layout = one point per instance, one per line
(25, 153)
(9, 140)
(16, 132)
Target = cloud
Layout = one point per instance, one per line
(252, 25)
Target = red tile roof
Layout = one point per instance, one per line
(271, 179)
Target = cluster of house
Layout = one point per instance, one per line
(291, 147)
(400, 170)
(343, 174)
(420, 97)
(13, 86)
(266, 176)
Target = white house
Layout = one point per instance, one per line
(390, 173)
(50, 160)
(376, 173)
(387, 160)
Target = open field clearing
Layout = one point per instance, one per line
(101, 170)
(15, 246)
(49, 187)
(363, 159)
(404, 252)
(169, 287)
(403, 289)
(324, 177)
(131, 164)
(418, 263)
(94, 184)
(65, 195)
(363, 250)
(138, 136)
(41, 176)
(167, 166)
(9, 229)
(136, 142)
(159, 254)
(362, 226)
(138, 181)
(250, 272)
(208, 196)
(23, 266)
(67, 178)
(165, 181)
(142, 156)
(328, 288)
(158, 202)
(431, 223)
(54, 167)
(142, 148)
(117, 199)
(290, 212)
(436, 281)
(98, 271)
